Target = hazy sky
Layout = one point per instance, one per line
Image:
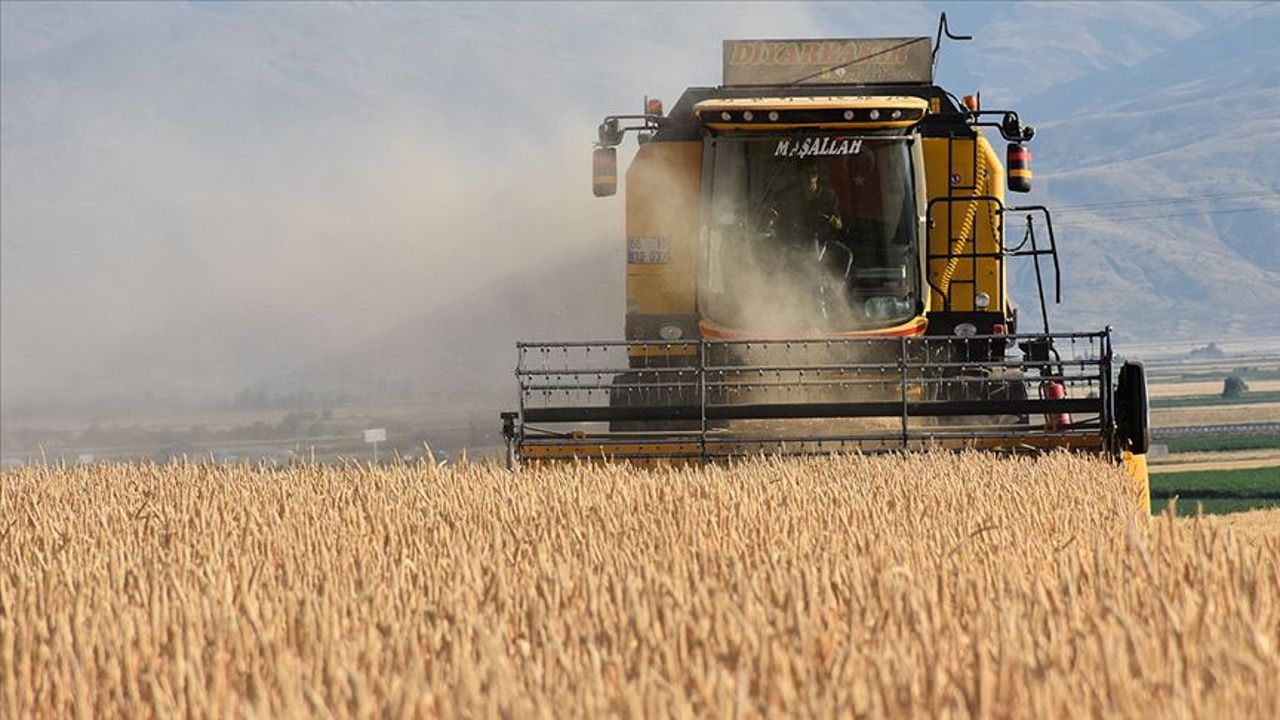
(195, 192)
(193, 195)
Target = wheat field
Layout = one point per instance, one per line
(933, 585)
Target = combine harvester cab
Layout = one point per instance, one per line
(817, 262)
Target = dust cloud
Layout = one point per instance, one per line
(204, 200)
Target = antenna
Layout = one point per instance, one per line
(944, 29)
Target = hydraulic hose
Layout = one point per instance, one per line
(966, 226)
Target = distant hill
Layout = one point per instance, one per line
(1167, 176)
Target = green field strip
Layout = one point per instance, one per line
(1241, 484)
(1180, 401)
(1220, 443)
(1213, 506)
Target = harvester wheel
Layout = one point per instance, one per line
(1133, 412)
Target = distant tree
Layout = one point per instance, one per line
(1208, 351)
(1234, 386)
(292, 423)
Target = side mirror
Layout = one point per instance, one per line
(604, 171)
(1018, 167)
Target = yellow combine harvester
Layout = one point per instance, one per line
(817, 262)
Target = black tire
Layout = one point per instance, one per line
(1133, 410)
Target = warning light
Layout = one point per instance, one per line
(652, 106)
(971, 102)
(1018, 161)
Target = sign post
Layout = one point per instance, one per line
(375, 436)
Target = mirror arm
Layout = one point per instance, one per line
(612, 132)
(1010, 125)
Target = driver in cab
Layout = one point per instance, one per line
(808, 213)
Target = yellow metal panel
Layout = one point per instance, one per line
(652, 351)
(663, 190)
(585, 451)
(677, 453)
(708, 111)
(1136, 468)
(877, 125)
(660, 293)
(853, 102)
(975, 224)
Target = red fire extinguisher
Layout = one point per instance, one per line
(1054, 390)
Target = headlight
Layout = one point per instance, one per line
(670, 332)
(966, 330)
(982, 300)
